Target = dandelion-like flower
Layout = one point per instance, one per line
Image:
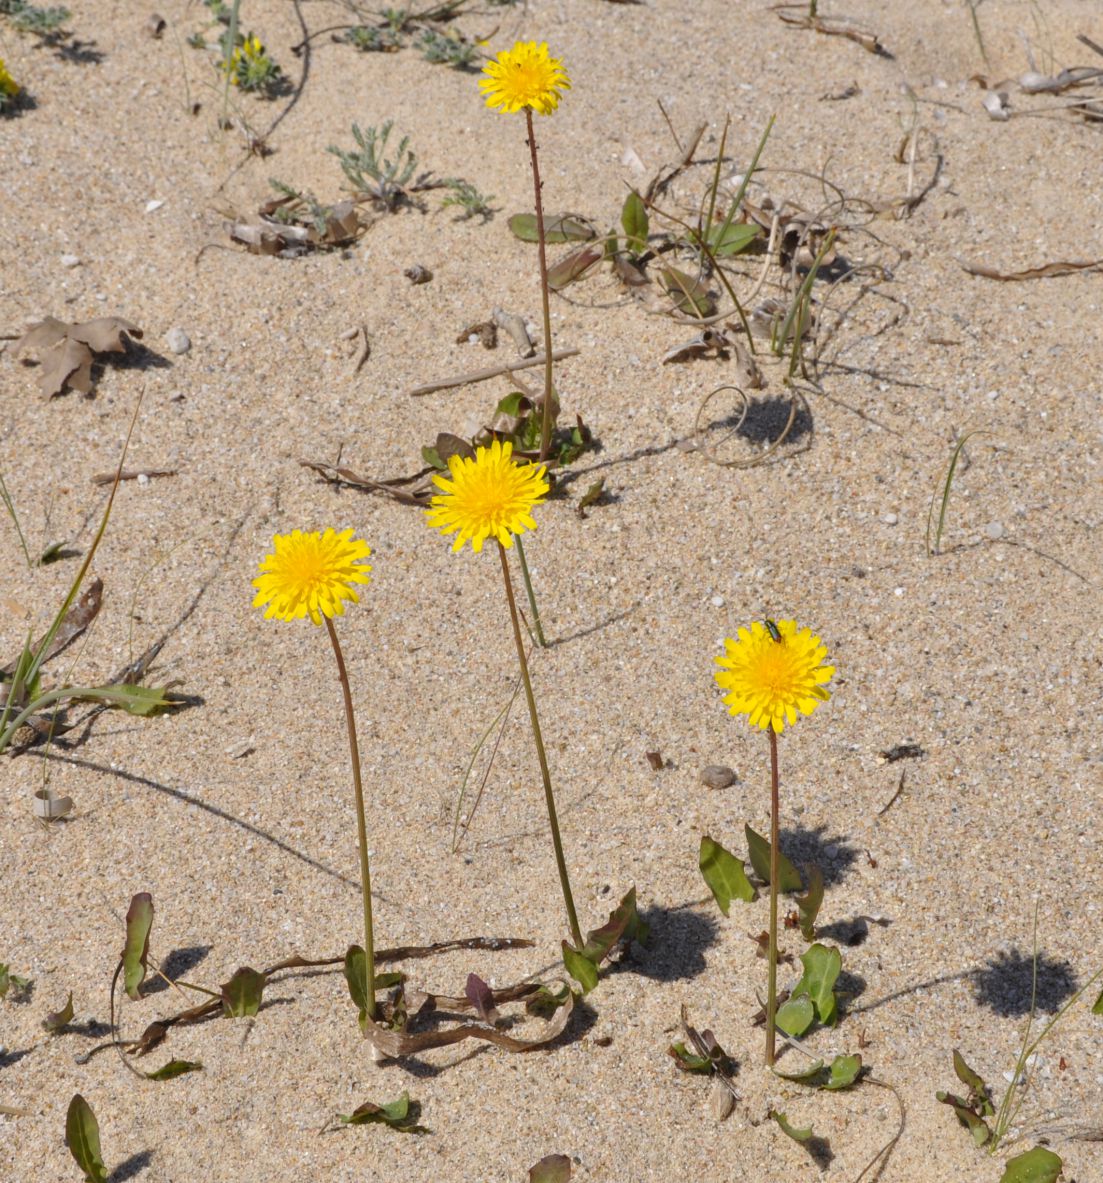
(311, 574)
(770, 680)
(524, 76)
(9, 88)
(491, 495)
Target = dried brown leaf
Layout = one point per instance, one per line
(104, 334)
(66, 350)
(1044, 271)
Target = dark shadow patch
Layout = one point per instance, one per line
(852, 932)
(675, 951)
(1005, 984)
(131, 1167)
(78, 52)
(833, 856)
(178, 963)
(848, 987)
(7, 1059)
(764, 421)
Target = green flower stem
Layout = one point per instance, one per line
(531, 594)
(549, 798)
(771, 987)
(361, 826)
(545, 438)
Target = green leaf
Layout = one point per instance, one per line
(10, 981)
(1035, 1166)
(822, 967)
(562, 228)
(82, 1136)
(844, 1071)
(809, 904)
(802, 1074)
(580, 967)
(400, 1115)
(795, 1016)
(432, 457)
(53, 1023)
(552, 1168)
(690, 295)
(978, 1089)
(241, 995)
(633, 217)
(514, 404)
(728, 238)
(573, 267)
(690, 1061)
(1097, 1006)
(139, 920)
(758, 850)
(175, 1068)
(798, 1135)
(725, 874)
(624, 924)
(973, 1122)
(356, 975)
(135, 700)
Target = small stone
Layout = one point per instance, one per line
(143, 478)
(717, 601)
(177, 340)
(994, 530)
(717, 776)
(721, 1101)
(153, 206)
(418, 274)
(70, 260)
(890, 519)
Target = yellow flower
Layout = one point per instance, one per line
(524, 76)
(490, 495)
(769, 680)
(310, 573)
(248, 53)
(8, 85)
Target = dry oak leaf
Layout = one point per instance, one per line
(67, 350)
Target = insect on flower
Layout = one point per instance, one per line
(772, 629)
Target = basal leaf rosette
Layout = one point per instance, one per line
(774, 681)
(524, 76)
(311, 575)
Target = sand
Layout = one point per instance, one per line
(987, 655)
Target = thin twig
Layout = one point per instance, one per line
(492, 372)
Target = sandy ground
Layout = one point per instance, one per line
(988, 655)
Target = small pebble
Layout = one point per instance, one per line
(177, 340)
(70, 260)
(717, 776)
(890, 519)
(143, 478)
(717, 601)
(152, 206)
(418, 274)
(994, 530)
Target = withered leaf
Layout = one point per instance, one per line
(174, 1068)
(557, 228)
(482, 998)
(53, 1023)
(573, 267)
(1044, 271)
(66, 350)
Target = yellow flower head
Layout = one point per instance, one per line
(8, 85)
(248, 53)
(490, 495)
(310, 573)
(769, 679)
(524, 76)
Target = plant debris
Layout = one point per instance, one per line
(67, 351)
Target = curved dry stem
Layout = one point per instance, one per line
(707, 450)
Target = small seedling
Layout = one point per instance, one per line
(464, 195)
(373, 40)
(372, 172)
(449, 49)
(46, 23)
